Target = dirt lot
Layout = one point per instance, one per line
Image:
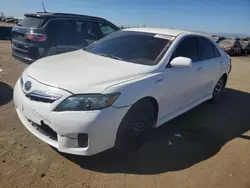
(213, 151)
(7, 24)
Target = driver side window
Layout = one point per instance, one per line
(187, 48)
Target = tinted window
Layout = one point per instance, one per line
(187, 48)
(77, 33)
(31, 22)
(216, 52)
(135, 47)
(106, 29)
(206, 50)
(62, 32)
(92, 31)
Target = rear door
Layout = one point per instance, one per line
(210, 59)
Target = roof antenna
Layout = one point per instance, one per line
(44, 8)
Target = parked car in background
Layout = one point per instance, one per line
(248, 47)
(215, 38)
(43, 34)
(6, 18)
(11, 20)
(115, 91)
(231, 46)
(17, 21)
(245, 46)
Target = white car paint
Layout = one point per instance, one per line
(176, 91)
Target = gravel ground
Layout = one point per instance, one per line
(213, 151)
(7, 24)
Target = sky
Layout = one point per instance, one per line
(211, 16)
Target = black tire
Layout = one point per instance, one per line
(136, 126)
(218, 89)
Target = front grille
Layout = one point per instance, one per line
(40, 99)
(42, 96)
(45, 129)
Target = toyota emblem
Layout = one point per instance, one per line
(27, 85)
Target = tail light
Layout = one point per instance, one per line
(35, 37)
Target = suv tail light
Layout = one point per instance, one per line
(35, 37)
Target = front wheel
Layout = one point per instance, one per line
(136, 126)
(218, 89)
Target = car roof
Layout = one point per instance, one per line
(163, 31)
(61, 15)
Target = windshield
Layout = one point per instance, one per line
(31, 22)
(226, 43)
(134, 47)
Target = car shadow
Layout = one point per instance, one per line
(203, 130)
(6, 93)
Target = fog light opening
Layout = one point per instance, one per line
(83, 140)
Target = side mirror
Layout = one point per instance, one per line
(179, 62)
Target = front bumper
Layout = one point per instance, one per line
(100, 125)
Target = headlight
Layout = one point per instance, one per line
(86, 102)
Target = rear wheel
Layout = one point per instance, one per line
(218, 89)
(136, 126)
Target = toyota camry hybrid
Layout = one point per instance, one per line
(115, 91)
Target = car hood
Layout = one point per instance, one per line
(80, 71)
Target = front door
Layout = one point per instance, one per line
(182, 86)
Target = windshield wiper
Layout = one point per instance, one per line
(110, 56)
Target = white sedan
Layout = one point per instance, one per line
(114, 92)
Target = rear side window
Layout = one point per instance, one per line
(106, 29)
(93, 30)
(31, 22)
(216, 52)
(76, 32)
(187, 48)
(206, 49)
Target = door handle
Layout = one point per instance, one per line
(199, 69)
(221, 62)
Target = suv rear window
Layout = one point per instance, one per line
(31, 22)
